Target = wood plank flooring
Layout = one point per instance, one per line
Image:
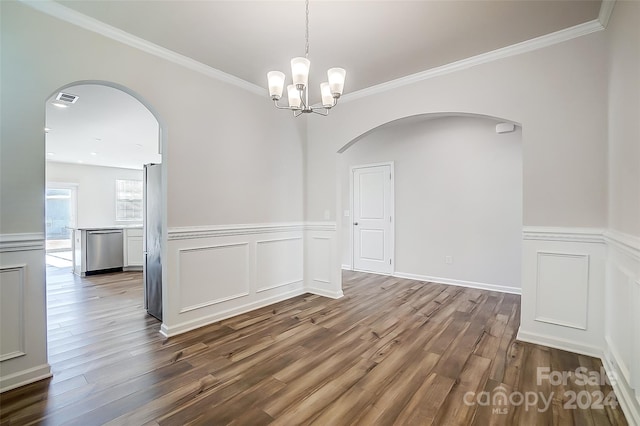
(392, 351)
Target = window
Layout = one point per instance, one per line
(128, 200)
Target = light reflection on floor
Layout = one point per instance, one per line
(59, 259)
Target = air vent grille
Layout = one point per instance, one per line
(67, 98)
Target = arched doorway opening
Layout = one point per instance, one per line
(457, 186)
(101, 140)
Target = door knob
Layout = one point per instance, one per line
(355, 223)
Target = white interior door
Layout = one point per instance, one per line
(372, 224)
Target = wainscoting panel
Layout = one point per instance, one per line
(321, 260)
(323, 274)
(214, 273)
(23, 339)
(279, 263)
(562, 289)
(563, 273)
(622, 332)
(12, 283)
(199, 287)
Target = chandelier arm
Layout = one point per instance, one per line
(304, 99)
(320, 111)
(335, 102)
(281, 107)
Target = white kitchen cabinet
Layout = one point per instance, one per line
(133, 251)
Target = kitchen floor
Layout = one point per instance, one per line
(59, 259)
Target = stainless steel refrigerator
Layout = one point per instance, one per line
(152, 270)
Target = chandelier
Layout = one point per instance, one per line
(297, 92)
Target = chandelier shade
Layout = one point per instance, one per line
(297, 93)
(294, 97)
(300, 71)
(336, 80)
(325, 92)
(276, 84)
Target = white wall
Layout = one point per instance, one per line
(622, 292)
(458, 192)
(96, 190)
(558, 95)
(623, 37)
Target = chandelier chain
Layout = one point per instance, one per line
(306, 46)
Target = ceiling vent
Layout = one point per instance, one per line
(66, 98)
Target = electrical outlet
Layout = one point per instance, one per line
(347, 213)
(448, 260)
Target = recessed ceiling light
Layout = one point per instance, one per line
(59, 105)
(80, 161)
(51, 153)
(94, 153)
(139, 145)
(47, 130)
(98, 140)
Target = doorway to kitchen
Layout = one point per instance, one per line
(99, 137)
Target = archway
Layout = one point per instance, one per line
(99, 136)
(449, 201)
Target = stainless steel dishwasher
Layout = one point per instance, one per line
(104, 250)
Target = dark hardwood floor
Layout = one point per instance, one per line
(392, 351)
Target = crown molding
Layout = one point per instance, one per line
(73, 17)
(606, 8)
(483, 58)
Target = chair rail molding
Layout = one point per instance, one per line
(22, 242)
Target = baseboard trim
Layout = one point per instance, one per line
(222, 315)
(132, 268)
(621, 388)
(25, 377)
(347, 267)
(559, 343)
(459, 283)
(325, 293)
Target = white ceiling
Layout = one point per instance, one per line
(104, 127)
(375, 41)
